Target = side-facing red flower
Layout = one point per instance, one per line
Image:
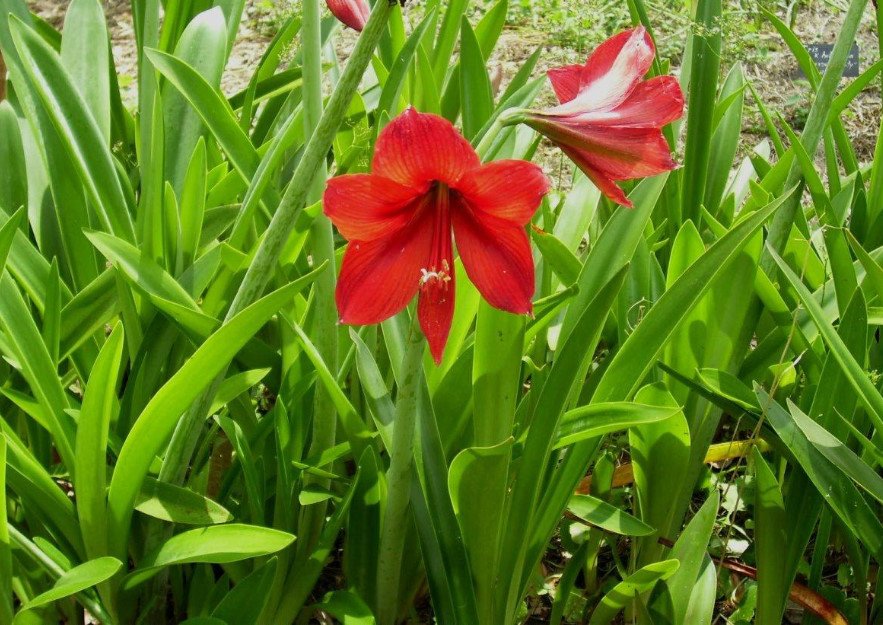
(427, 183)
(353, 13)
(610, 120)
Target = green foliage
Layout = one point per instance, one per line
(187, 433)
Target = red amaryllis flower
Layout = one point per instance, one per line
(353, 13)
(610, 121)
(428, 183)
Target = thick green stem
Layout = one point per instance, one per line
(398, 479)
(322, 240)
(262, 267)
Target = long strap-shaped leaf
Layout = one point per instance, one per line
(153, 428)
(862, 384)
(638, 354)
(76, 128)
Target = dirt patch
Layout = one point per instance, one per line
(251, 41)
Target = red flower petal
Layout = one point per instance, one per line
(622, 152)
(417, 148)
(353, 13)
(508, 189)
(435, 310)
(365, 207)
(378, 278)
(605, 184)
(496, 255)
(652, 104)
(566, 81)
(613, 71)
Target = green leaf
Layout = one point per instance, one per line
(447, 38)
(838, 492)
(85, 54)
(637, 355)
(395, 82)
(769, 536)
(660, 458)
(839, 454)
(37, 366)
(863, 386)
(606, 516)
(7, 235)
(477, 482)
(691, 550)
(176, 504)
(476, 99)
(203, 47)
(215, 113)
(155, 424)
(628, 589)
(13, 177)
(594, 420)
(357, 434)
(93, 426)
(347, 608)
(216, 544)
(5, 547)
(76, 128)
(76, 580)
(705, 45)
(243, 605)
(562, 261)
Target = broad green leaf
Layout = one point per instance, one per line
(93, 427)
(216, 544)
(863, 386)
(477, 482)
(637, 355)
(608, 517)
(177, 504)
(628, 589)
(203, 46)
(37, 366)
(347, 608)
(476, 99)
(76, 127)
(243, 604)
(85, 54)
(76, 580)
(660, 457)
(594, 420)
(769, 536)
(562, 261)
(838, 492)
(839, 454)
(154, 426)
(691, 550)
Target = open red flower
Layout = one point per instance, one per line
(353, 13)
(610, 120)
(428, 183)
